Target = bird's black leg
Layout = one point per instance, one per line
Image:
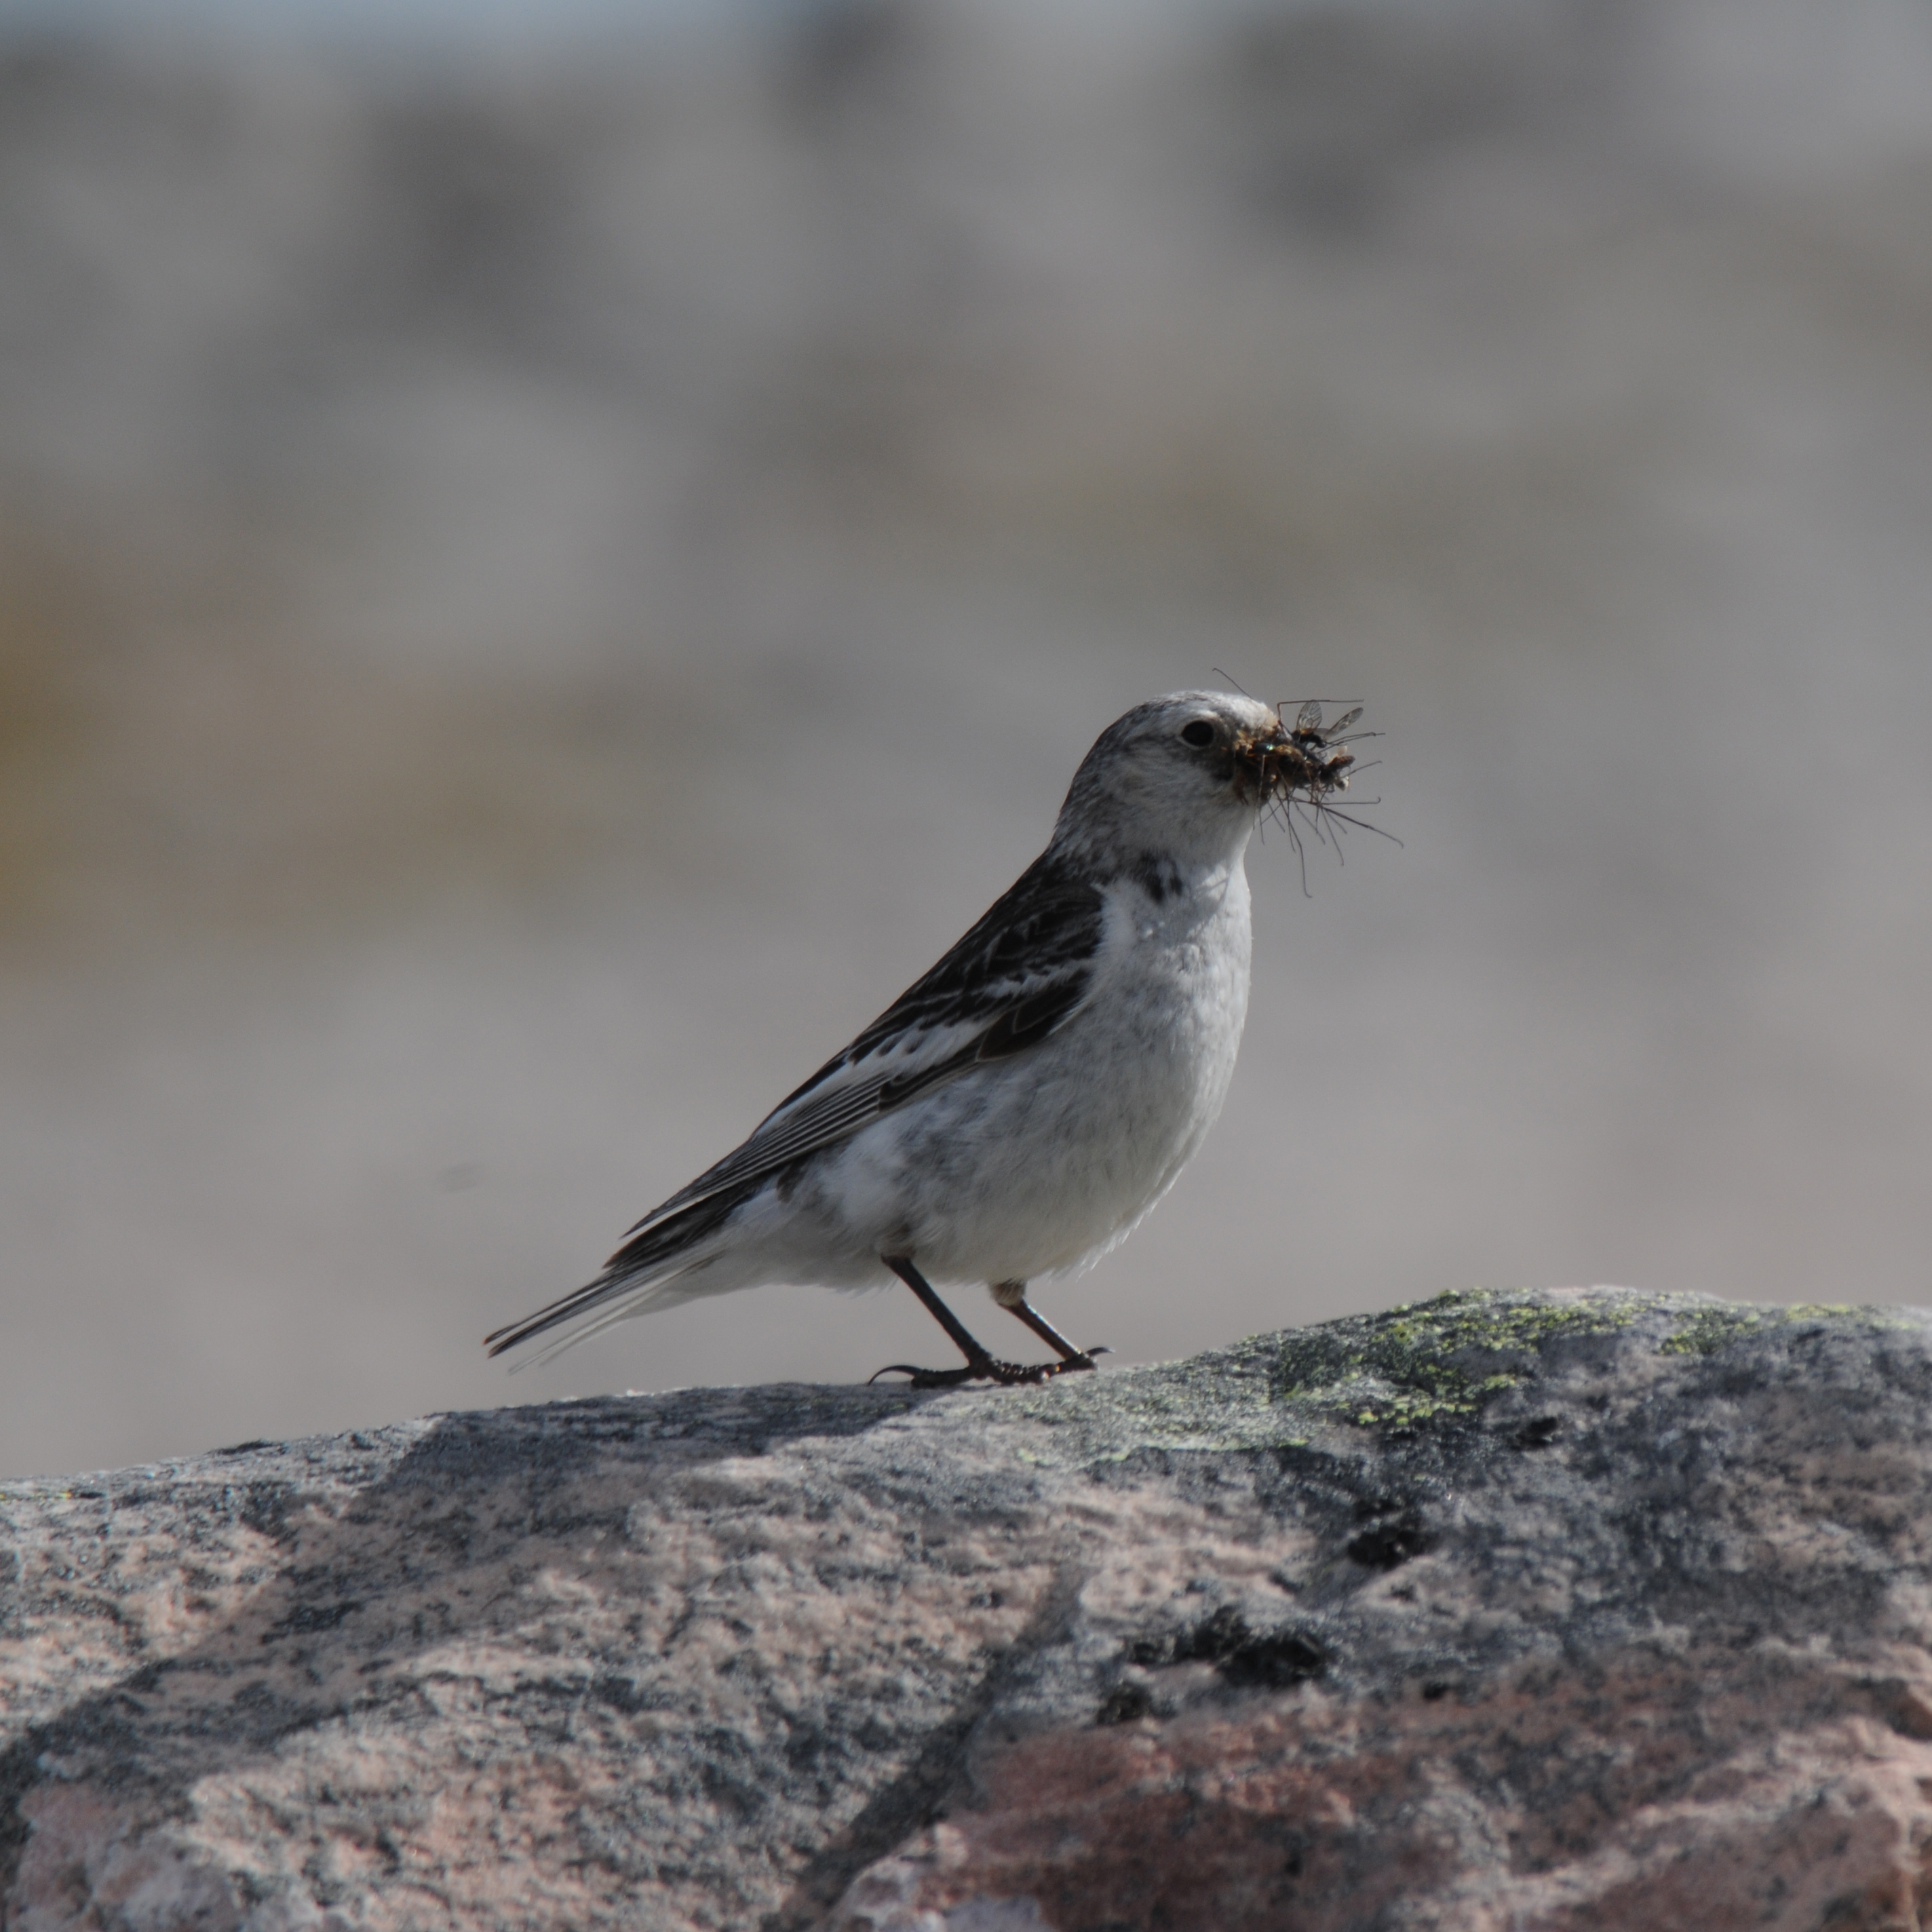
(1011, 1295)
(980, 1367)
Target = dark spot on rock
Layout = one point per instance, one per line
(1252, 1659)
(621, 1693)
(1537, 1433)
(1274, 1661)
(306, 1617)
(266, 1511)
(1849, 1912)
(1903, 1706)
(248, 1448)
(1434, 1691)
(1214, 1639)
(1124, 1704)
(1389, 1545)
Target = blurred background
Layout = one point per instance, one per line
(552, 558)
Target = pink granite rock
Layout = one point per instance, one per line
(1533, 1613)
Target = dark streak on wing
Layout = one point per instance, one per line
(1022, 970)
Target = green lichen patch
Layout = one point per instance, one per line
(1705, 1329)
(1436, 1361)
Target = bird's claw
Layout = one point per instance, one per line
(1007, 1375)
(926, 1378)
(1044, 1371)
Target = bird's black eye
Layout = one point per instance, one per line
(1199, 733)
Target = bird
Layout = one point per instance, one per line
(1021, 1106)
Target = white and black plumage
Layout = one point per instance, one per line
(1015, 1112)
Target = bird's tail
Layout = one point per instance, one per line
(640, 1276)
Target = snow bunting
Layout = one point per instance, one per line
(1017, 1109)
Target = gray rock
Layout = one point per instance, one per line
(1532, 1611)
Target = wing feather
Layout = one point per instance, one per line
(1016, 975)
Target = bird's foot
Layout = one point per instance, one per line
(1042, 1372)
(1006, 1375)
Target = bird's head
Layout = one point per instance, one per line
(1190, 774)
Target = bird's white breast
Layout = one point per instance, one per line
(999, 1177)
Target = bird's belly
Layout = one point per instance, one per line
(1023, 1168)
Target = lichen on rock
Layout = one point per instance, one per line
(1438, 1360)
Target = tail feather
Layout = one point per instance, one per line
(649, 1259)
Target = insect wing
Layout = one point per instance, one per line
(1309, 718)
(1342, 723)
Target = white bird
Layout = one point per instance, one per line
(1015, 1111)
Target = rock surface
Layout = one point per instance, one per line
(1505, 1611)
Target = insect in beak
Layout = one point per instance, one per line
(1306, 760)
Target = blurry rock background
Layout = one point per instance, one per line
(543, 579)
